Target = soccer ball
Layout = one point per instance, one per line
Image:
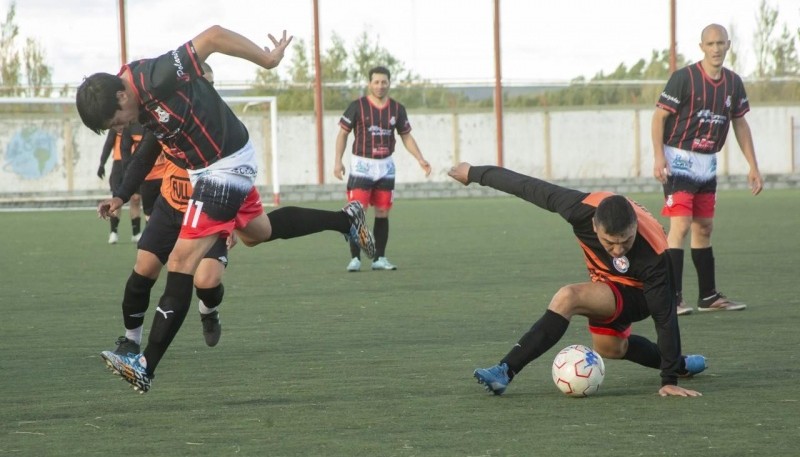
(578, 371)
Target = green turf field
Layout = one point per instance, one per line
(318, 362)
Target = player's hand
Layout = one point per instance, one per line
(660, 170)
(231, 241)
(460, 173)
(338, 171)
(101, 172)
(677, 391)
(109, 207)
(426, 167)
(278, 48)
(756, 183)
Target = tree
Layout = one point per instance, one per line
(766, 20)
(9, 56)
(784, 54)
(369, 53)
(334, 61)
(37, 72)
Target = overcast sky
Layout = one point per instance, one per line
(542, 40)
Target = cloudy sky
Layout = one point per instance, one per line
(437, 39)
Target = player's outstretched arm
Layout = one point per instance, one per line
(219, 39)
(460, 172)
(677, 391)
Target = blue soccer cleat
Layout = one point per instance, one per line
(695, 364)
(131, 367)
(359, 230)
(494, 378)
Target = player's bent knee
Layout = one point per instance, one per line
(563, 302)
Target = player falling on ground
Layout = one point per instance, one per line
(625, 251)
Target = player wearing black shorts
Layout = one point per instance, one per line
(625, 252)
(181, 110)
(120, 145)
(154, 247)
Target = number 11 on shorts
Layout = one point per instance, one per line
(193, 210)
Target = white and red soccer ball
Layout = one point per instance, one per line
(578, 371)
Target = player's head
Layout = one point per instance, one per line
(615, 224)
(715, 44)
(379, 82)
(103, 103)
(208, 73)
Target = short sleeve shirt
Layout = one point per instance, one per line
(183, 110)
(702, 108)
(374, 126)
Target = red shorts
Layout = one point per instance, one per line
(198, 224)
(682, 203)
(379, 198)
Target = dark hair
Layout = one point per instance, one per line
(97, 100)
(381, 70)
(615, 214)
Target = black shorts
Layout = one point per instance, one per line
(117, 173)
(360, 182)
(149, 190)
(631, 307)
(161, 234)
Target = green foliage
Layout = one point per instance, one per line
(10, 63)
(37, 72)
(38, 75)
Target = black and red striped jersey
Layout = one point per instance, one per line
(374, 126)
(183, 110)
(645, 266)
(702, 108)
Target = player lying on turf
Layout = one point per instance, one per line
(625, 250)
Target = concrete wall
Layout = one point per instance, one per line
(55, 154)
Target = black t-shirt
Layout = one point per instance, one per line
(374, 126)
(702, 108)
(183, 110)
(647, 265)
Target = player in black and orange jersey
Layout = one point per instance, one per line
(373, 119)
(181, 110)
(151, 186)
(154, 247)
(690, 125)
(121, 145)
(624, 248)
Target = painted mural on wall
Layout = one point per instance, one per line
(31, 153)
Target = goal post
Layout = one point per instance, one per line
(249, 104)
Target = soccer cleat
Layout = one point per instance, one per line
(212, 329)
(719, 302)
(695, 364)
(131, 367)
(137, 237)
(359, 230)
(494, 378)
(354, 265)
(113, 238)
(382, 263)
(127, 347)
(683, 309)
